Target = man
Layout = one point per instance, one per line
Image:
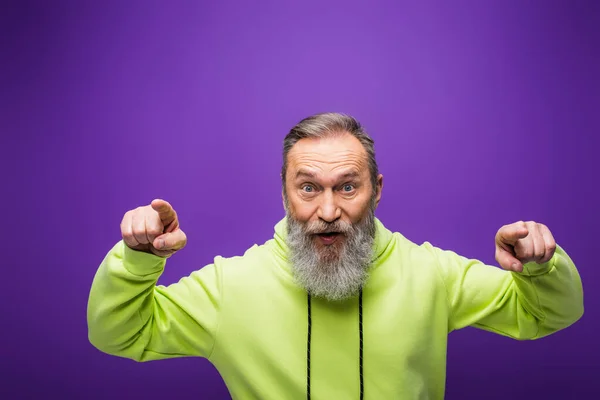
(335, 306)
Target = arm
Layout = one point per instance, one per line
(531, 304)
(130, 316)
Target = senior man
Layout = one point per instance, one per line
(334, 306)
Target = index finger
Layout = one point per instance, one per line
(510, 234)
(165, 211)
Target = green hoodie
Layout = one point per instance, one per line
(249, 318)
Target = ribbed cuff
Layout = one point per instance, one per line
(140, 263)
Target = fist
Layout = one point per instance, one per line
(523, 242)
(153, 229)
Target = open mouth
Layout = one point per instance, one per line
(329, 234)
(328, 237)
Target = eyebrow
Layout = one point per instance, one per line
(308, 174)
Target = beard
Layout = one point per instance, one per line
(337, 271)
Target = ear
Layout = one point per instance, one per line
(379, 189)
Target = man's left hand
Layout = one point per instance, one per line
(523, 242)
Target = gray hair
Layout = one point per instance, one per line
(326, 124)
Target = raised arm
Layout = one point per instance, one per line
(129, 315)
(538, 293)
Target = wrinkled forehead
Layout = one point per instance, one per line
(335, 154)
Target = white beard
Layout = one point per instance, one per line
(337, 271)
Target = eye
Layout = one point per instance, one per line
(348, 187)
(308, 188)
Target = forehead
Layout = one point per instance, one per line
(331, 154)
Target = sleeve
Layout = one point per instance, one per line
(541, 300)
(129, 316)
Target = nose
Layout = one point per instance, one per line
(328, 209)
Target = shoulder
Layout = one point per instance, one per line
(394, 243)
(252, 261)
(418, 261)
(401, 255)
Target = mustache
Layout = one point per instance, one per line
(317, 227)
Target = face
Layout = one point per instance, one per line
(328, 181)
(330, 206)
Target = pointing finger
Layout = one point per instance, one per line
(165, 211)
(510, 234)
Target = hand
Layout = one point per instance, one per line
(153, 229)
(523, 242)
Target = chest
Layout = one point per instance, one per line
(404, 330)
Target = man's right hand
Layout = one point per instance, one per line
(153, 229)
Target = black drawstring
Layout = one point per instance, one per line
(360, 329)
(308, 351)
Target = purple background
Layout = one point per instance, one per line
(483, 113)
